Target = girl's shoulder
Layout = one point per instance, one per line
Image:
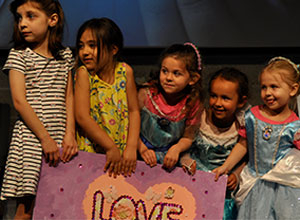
(66, 53)
(240, 114)
(255, 111)
(82, 72)
(125, 68)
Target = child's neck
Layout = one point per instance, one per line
(280, 114)
(173, 99)
(219, 123)
(107, 73)
(42, 48)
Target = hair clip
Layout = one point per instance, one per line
(197, 53)
(274, 59)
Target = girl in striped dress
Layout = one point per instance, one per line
(39, 70)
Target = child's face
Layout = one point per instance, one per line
(33, 23)
(88, 50)
(224, 100)
(275, 92)
(174, 76)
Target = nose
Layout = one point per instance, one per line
(85, 50)
(22, 24)
(169, 76)
(267, 91)
(218, 102)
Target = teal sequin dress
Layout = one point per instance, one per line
(211, 148)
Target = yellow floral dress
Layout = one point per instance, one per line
(109, 108)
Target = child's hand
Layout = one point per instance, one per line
(70, 148)
(148, 155)
(171, 157)
(219, 171)
(128, 162)
(113, 161)
(51, 151)
(232, 181)
(188, 164)
(190, 169)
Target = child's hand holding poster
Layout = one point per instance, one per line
(81, 190)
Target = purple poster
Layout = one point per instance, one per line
(81, 190)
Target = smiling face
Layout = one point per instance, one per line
(33, 23)
(223, 101)
(174, 76)
(88, 50)
(275, 92)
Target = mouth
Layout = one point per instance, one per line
(87, 60)
(218, 111)
(169, 85)
(270, 101)
(26, 34)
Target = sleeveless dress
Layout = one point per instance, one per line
(162, 125)
(211, 148)
(270, 183)
(45, 84)
(109, 108)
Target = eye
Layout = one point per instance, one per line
(226, 98)
(80, 46)
(163, 70)
(30, 15)
(212, 95)
(274, 86)
(263, 87)
(176, 73)
(92, 45)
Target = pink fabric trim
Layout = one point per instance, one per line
(256, 111)
(172, 110)
(242, 132)
(297, 144)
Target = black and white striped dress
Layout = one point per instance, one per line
(45, 83)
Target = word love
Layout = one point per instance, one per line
(125, 207)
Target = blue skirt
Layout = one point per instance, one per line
(270, 200)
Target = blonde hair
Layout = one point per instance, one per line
(290, 76)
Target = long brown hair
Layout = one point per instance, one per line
(56, 33)
(187, 54)
(107, 35)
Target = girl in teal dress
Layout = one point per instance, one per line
(218, 132)
(270, 183)
(170, 106)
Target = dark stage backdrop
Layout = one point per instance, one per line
(207, 23)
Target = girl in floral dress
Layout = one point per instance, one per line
(105, 97)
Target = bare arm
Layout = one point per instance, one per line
(183, 144)
(172, 155)
(69, 144)
(237, 153)
(129, 155)
(90, 126)
(18, 92)
(148, 155)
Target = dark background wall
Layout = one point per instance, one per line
(159, 23)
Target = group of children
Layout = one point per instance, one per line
(164, 121)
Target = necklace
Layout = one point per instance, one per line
(160, 112)
(255, 144)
